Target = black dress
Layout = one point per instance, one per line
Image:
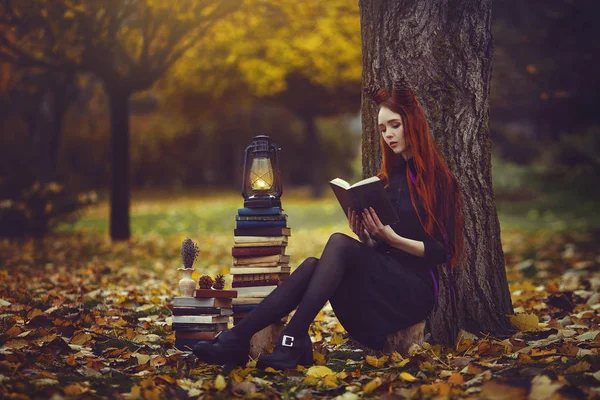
(390, 289)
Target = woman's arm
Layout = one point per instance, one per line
(427, 249)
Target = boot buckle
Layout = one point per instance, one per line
(288, 341)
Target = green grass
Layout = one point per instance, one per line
(527, 200)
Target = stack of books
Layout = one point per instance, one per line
(202, 317)
(259, 260)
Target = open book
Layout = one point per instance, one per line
(369, 192)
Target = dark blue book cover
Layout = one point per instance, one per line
(259, 224)
(260, 211)
(243, 308)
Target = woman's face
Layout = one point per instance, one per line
(392, 129)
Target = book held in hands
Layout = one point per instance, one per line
(363, 194)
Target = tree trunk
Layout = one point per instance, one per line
(119, 146)
(316, 159)
(444, 48)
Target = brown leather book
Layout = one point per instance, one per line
(257, 251)
(217, 294)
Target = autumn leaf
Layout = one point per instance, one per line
(319, 371)
(220, 383)
(376, 362)
(405, 376)
(338, 339)
(525, 322)
(372, 385)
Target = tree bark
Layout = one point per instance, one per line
(119, 146)
(444, 48)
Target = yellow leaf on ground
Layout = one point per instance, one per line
(374, 384)
(582, 366)
(220, 383)
(542, 388)
(142, 358)
(319, 358)
(338, 339)
(81, 338)
(456, 378)
(405, 376)
(330, 381)
(319, 371)
(498, 390)
(525, 322)
(377, 362)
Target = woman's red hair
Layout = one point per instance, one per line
(434, 184)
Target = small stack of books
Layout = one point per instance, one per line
(202, 317)
(259, 260)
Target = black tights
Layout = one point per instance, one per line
(312, 284)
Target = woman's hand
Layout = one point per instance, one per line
(358, 228)
(375, 228)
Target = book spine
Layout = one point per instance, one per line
(262, 290)
(279, 217)
(218, 294)
(254, 277)
(190, 327)
(259, 224)
(264, 270)
(258, 240)
(193, 302)
(258, 282)
(200, 319)
(269, 231)
(260, 211)
(198, 310)
(257, 251)
(196, 335)
(243, 308)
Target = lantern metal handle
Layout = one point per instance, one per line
(246, 152)
(278, 174)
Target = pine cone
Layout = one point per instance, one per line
(189, 252)
(219, 282)
(205, 282)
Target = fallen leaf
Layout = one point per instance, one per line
(456, 378)
(372, 385)
(247, 388)
(142, 358)
(376, 362)
(81, 338)
(525, 322)
(220, 383)
(581, 366)
(338, 339)
(405, 376)
(499, 390)
(319, 371)
(542, 388)
(319, 358)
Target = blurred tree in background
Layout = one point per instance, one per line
(200, 91)
(127, 44)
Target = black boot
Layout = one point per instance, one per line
(288, 353)
(227, 348)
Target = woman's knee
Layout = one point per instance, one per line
(340, 240)
(309, 264)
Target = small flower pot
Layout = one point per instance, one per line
(187, 286)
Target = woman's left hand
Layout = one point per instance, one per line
(375, 228)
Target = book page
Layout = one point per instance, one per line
(365, 181)
(340, 182)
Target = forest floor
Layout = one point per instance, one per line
(83, 317)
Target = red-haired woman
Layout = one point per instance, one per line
(385, 282)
